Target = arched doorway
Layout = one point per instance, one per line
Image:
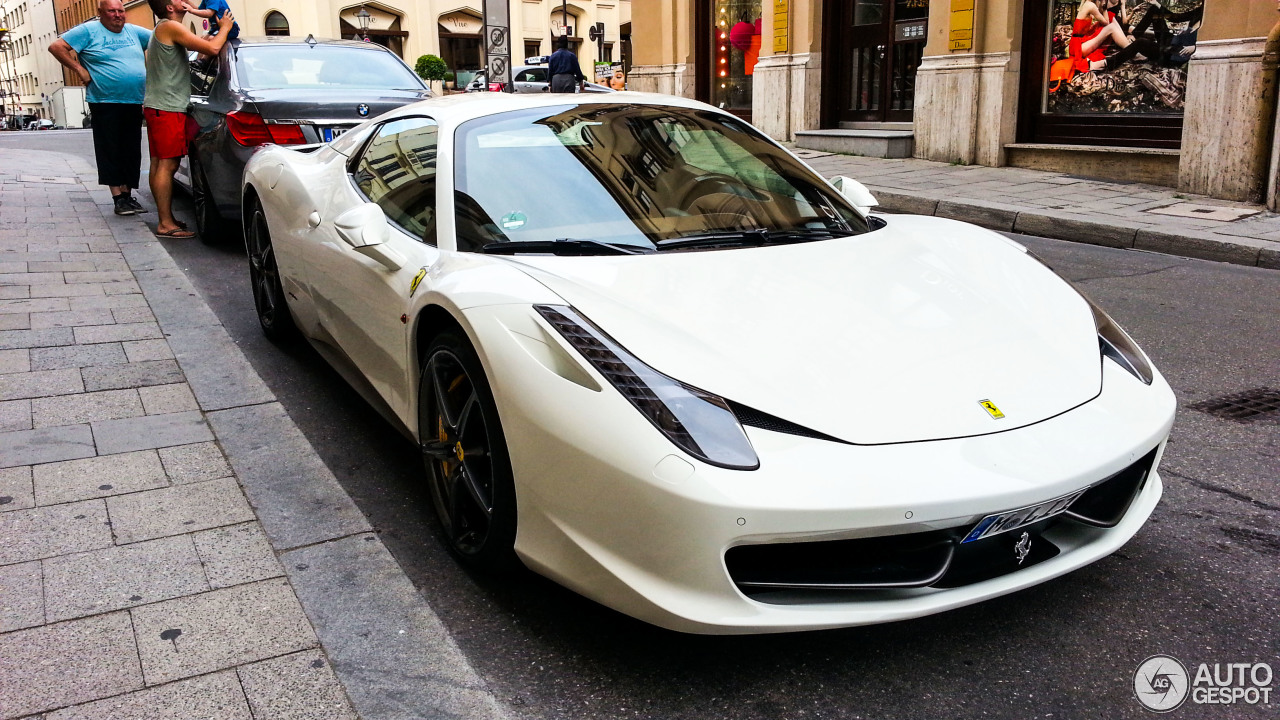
(460, 46)
(560, 22)
(384, 27)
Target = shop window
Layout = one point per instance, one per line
(1107, 71)
(532, 48)
(277, 23)
(735, 49)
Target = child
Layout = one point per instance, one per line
(209, 8)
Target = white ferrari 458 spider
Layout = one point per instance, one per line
(652, 355)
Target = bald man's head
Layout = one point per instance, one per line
(111, 14)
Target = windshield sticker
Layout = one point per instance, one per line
(514, 221)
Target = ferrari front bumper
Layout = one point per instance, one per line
(610, 508)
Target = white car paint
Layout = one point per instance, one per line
(886, 341)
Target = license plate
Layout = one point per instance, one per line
(1014, 519)
(331, 133)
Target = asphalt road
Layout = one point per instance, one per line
(1200, 582)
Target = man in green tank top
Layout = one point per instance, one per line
(166, 101)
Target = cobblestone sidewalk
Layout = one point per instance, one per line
(135, 578)
(1067, 207)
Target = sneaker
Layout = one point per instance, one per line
(133, 203)
(123, 206)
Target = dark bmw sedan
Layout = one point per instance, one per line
(282, 91)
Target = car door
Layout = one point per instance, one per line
(532, 80)
(360, 295)
(207, 112)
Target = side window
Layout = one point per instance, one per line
(397, 170)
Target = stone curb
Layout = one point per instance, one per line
(304, 511)
(1117, 233)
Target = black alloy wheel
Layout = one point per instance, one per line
(465, 453)
(264, 277)
(209, 224)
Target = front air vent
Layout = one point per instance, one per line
(754, 418)
(897, 561)
(1105, 504)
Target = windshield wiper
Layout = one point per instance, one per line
(722, 238)
(563, 246)
(751, 238)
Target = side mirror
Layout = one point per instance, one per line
(855, 192)
(364, 227)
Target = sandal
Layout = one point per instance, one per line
(180, 233)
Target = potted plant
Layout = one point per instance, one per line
(432, 69)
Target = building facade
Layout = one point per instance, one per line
(1183, 95)
(410, 28)
(450, 29)
(19, 56)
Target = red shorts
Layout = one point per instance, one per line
(166, 133)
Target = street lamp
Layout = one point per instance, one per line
(363, 17)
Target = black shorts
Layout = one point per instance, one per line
(117, 142)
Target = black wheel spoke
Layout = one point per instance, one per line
(438, 450)
(464, 417)
(441, 377)
(475, 492)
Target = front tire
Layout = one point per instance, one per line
(264, 277)
(465, 453)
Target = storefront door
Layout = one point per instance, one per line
(876, 46)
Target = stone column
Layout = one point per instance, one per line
(786, 94)
(966, 107)
(1226, 124)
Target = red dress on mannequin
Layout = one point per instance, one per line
(1081, 32)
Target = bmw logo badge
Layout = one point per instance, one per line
(363, 110)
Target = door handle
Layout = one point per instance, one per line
(313, 220)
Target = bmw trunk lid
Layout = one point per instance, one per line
(340, 104)
(925, 329)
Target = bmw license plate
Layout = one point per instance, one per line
(1014, 519)
(331, 133)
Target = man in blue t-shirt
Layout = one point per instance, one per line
(107, 55)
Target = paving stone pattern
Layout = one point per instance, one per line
(1066, 207)
(135, 578)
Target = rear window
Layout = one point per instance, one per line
(322, 66)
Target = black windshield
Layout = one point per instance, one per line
(634, 175)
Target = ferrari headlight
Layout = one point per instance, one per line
(1117, 345)
(698, 422)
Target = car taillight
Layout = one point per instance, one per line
(250, 130)
(495, 87)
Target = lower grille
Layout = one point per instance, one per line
(935, 559)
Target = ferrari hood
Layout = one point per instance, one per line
(924, 329)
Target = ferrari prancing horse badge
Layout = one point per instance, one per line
(417, 280)
(991, 409)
